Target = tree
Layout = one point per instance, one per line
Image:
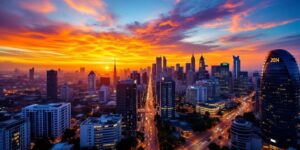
(43, 144)
(68, 135)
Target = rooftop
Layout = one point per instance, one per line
(103, 120)
(50, 105)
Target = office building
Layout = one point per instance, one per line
(166, 87)
(103, 94)
(236, 67)
(145, 78)
(66, 92)
(203, 73)
(187, 67)
(196, 94)
(158, 68)
(153, 71)
(136, 77)
(101, 133)
(115, 79)
(92, 81)
(127, 103)
(82, 70)
(222, 74)
(164, 64)
(193, 63)
(31, 74)
(52, 85)
(243, 137)
(190, 77)
(14, 134)
(48, 120)
(280, 94)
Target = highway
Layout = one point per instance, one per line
(202, 140)
(148, 123)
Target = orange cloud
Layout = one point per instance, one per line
(39, 6)
(96, 8)
(239, 24)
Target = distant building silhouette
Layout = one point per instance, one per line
(52, 85)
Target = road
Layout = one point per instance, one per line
(202, 140)
(148, 123)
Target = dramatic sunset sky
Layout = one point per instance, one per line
(74, 33)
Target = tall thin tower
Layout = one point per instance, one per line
(115, 74)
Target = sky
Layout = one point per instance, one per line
(92, 33)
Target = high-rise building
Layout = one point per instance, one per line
(193, 63)
(48, 120)
(236, 67)
(52, 85)
(222, 73)
(101, 133)
(14, 134)
(164, 64)
(187, 67)
(66, 92)
(153, 71)
(103, 94)
(127, 103)
(158, 68)
(31, 74)
(136, 77)
(166, 87)
(196, 94)
(145, 78)
(203, 73)
(280, 99)
(92, 81)
(104, 81)
(213, 88)
(243, 137)
(115, 75)
(190, 77)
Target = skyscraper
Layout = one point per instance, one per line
(158, 68)
(136, 77)
(14, 134)
(203, 73)
(280, 98)
(153, 71)
(66, 92)
(92, 81)
(193, 65)
(101, 133)
(115, 74)
(127, 103)
(48, 120)
(164, 64)
(187, 67)
(236, 67)
(166, 87)
(52, 85)
(31, 74)
(104, 81)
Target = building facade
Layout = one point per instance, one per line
(280, 98)
(127, 103)
(48, 120)
(52, 85)
(14, 134)
(166, 87)
(101, 133)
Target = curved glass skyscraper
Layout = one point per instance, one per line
(280, 99)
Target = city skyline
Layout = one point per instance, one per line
(72, 33)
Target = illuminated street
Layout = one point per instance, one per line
(148, 121)
(202, 140)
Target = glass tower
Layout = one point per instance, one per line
(280, 99)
